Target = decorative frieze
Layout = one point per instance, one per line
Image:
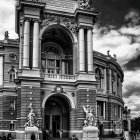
(68, 22)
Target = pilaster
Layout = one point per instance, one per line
(1, 70)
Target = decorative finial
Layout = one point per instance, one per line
(108, 52)
(6, 35)
(115, 56)
(84, 4)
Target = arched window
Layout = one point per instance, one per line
(98, 77)
(52, 59)
(12, 74)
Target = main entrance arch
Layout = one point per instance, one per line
(57, 115)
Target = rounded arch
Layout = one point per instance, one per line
(62, 26)
(69, 99)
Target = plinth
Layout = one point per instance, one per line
(29, 131)
(90, 133)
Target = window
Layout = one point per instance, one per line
(100, 108)
(12, 74)
(115, 111)
(98, 77)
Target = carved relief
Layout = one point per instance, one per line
(68, 22)
(85, 5)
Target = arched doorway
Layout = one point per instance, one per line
(57, 116)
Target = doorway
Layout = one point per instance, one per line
(57, 116)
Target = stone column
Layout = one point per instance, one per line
(110, 81)
(63, 67)
(26, 43)
(105, 83)
(104, 109)
(81, 50)
(89, 50)
(116, 90)
(120, 85)
(1, 70)
(35, 44)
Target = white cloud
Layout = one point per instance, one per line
(117, 43)
(7, 18)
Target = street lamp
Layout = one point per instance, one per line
(126, 111)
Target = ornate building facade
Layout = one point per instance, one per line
(54, 67)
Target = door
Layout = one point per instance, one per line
(55, 125)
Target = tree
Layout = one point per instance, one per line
(135, 124)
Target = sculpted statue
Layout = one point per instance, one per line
(6, 34)
(84, 4)
(31, 118)
(90, 119)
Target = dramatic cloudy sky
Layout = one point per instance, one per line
(117, 30)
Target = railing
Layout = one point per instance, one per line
(59, 77)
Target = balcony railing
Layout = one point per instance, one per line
(59, 77)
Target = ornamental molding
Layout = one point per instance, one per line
(67, 22)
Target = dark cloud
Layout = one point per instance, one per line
(133, 64)
(132, 90)
(112, 12)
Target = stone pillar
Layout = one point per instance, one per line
(81, 50)
(105, 82)
(35, 44)
(104, 109)
(26, 43)
(96, 109)
(1, 70)
(110, 81)
(120, 88)
(89, 50)
(116, 90)
(63, 67)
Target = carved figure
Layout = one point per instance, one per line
(84, 4)
(6, 34)
(31, 118)
(90, 119)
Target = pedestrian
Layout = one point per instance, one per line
(33, 136)
(9, 136)
(74, 138)
(135, 135)
(60, 133)
(3, 136)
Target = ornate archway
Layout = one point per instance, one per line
(57, 108)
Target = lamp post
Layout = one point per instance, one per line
(126, 112)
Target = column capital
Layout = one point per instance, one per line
(26, 19)
(89, 28)
(36, 20)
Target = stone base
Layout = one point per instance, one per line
(126, 134)
(31, 130)
(90, 133)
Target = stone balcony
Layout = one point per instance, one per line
(59, 77)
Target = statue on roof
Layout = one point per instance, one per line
(6, 35)
(84, 4)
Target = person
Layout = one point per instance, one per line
(33, 136)
(3, 136)
(74, 138)
(60, 133)
(9, 136)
